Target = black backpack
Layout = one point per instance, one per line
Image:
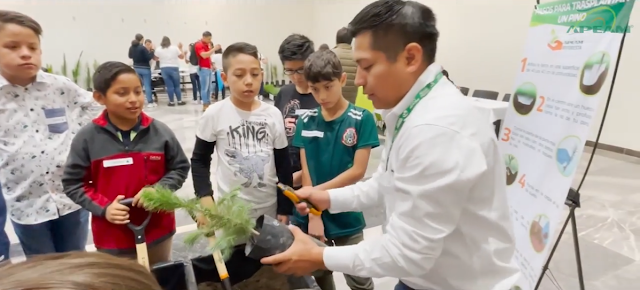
(193, 57)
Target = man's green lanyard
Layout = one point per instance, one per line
(405, 114)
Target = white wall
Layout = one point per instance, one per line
(481, 46)
(103, 29)
(481, 42)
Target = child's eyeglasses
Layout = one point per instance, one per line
(290, 72)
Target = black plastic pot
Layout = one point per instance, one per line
(242, 268)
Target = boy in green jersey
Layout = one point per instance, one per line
(335, 142)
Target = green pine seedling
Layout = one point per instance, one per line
(229, 215)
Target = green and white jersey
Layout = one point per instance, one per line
(330, 147)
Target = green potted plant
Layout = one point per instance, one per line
(88, 81)
(229, 215)
(77, 68)
(64, 70)
(284, 77)
(49, 68)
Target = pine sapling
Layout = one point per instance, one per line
(229, 216)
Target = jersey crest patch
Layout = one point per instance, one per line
(350, 137)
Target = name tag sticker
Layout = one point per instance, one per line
(55, 120)
(306, 133)
(117, 162)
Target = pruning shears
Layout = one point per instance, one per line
(291, 194)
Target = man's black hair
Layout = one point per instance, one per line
(396, 23)
(238, 48)
(323, 46)
(343, 36)
(17, 18)
(107, 73)
(295, 47)
(139, 37)
(322, 66)
(206, 34)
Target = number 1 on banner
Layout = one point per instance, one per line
(522, 181)
(524, 64)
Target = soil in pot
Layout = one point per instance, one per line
(594, 73)
(524, 99)
(264, 279)
(511, 176)
(511, 164)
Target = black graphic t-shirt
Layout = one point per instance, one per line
(292, 104)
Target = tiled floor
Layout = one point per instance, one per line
(608, 227)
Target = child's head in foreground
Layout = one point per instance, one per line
(76, 271)
(324, 74)
(20, 53)
(241, 71)
(118, 87)
(293, 51)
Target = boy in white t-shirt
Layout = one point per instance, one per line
(249, 140)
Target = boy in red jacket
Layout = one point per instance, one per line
(116, 157)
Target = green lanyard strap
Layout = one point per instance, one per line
(405, 114)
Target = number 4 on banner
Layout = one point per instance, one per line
(522, 181)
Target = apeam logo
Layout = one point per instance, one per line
(599, 25)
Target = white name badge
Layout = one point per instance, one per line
(306, 133)
(299, 112)
(55, 120)
(117, 162)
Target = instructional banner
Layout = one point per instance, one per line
(570, 54)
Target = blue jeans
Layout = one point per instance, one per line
(205, 85)
(195, 85)
(145, 76)
(171, 76)
(64, 234)
(4, 239)
(402, 286)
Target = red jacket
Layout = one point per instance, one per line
(100, 167)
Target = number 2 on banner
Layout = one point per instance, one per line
(524, 64)
(507, 135)
(522, 181)
(542, 100)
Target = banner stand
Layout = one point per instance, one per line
(573, 197)
(573, 202)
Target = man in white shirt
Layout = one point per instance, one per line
(39, 115)
(441, 178)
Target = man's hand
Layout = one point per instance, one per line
(201, 220)
(283, 219)
(180, 46)
(303, 257)
(316, 227)
(137, 200)
(319, 198)
(117, 213)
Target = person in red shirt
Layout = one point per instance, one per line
(204, 49)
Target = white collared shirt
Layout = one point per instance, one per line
(37, 124)
(448, 224)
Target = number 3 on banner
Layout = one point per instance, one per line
(506, 136)
(522, 181)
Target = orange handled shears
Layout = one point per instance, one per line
(291, 194)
